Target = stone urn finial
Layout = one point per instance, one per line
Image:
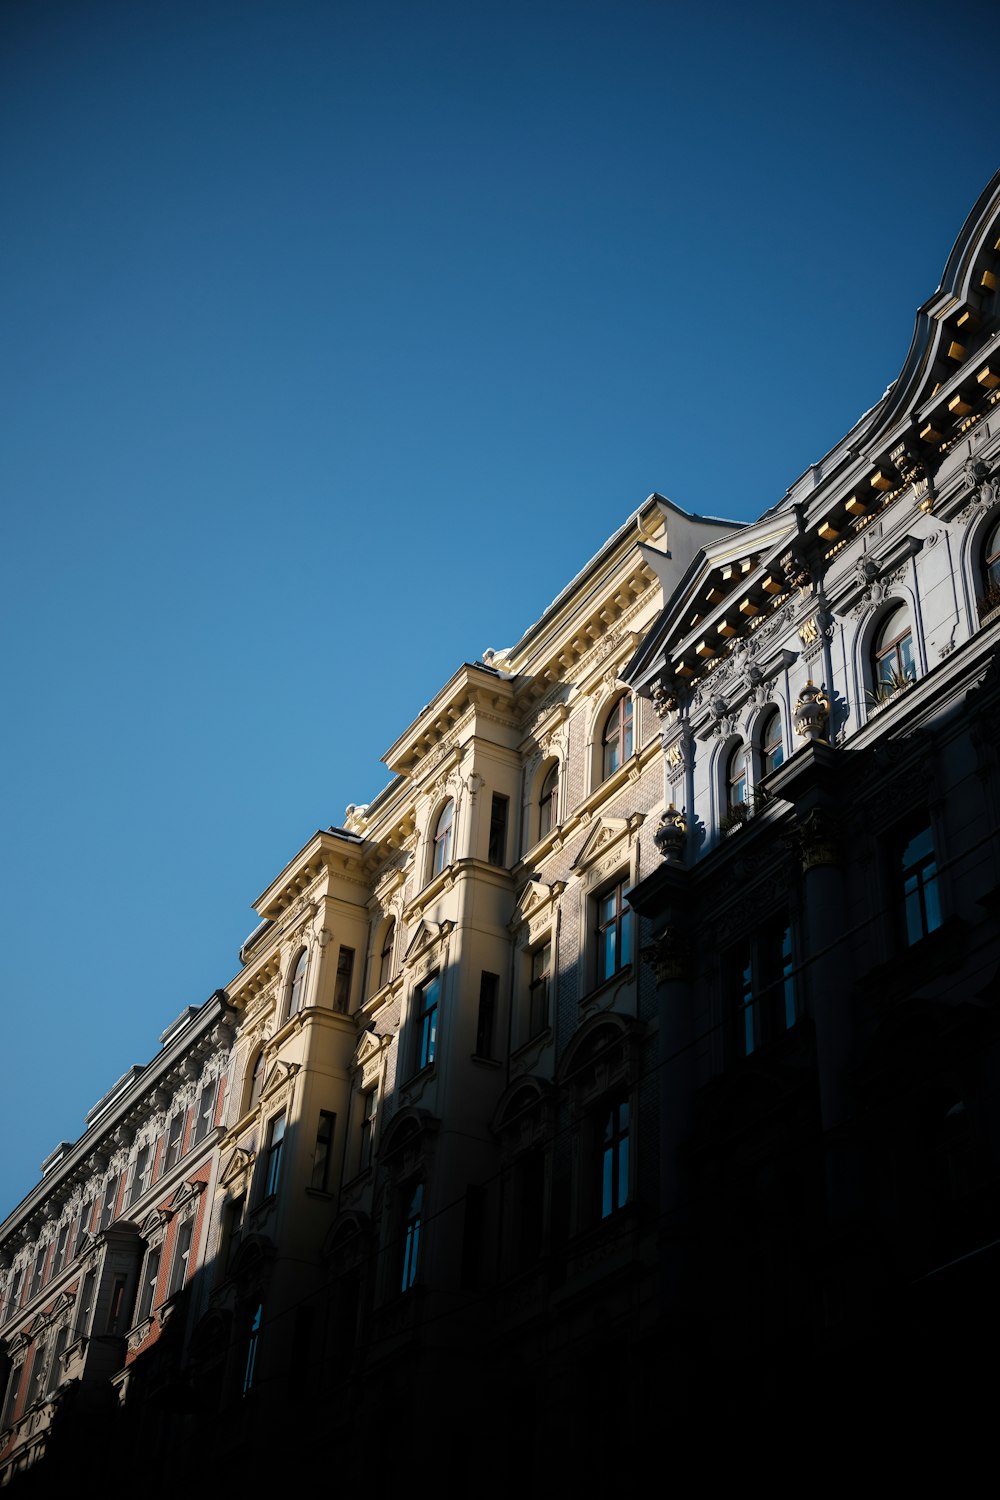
(671, 834)
(811, 712)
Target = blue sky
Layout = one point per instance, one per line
(335, 339)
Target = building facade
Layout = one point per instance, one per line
(633, 1049)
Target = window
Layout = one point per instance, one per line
(253, 1341)
(256, 1081)
(443, 830)
(613, 1123)
(772, 747)
(36, 1380)
(81, 1234)
(342, 987)
(10, 1398)
(150, 1276)
(538, 990)
(60, 1256)
(182, 1252)
(141, 1173)
(175, 1139)
(110, 1199)
(414, 1199)
(614, 933)
(548, 802)
(736, 779)
(764, 981)
(297, 984)
(497, 850)
(489, 989)
(369, 1116)
(16, 1283)
(232, 1229)
(36, 1278)
(86, 1303)
(385, 960)
(892, 654)
(55, 1363)
(991, 571)
(204, 1119)
(916, 876)
(617, 737)
(116, 1309)
(426, 1016)
(323, 1155)
(272, 1160)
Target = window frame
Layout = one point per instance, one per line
(443, 839)
(386, 966)
(298, 974)
(916, 895)
(411, 1227)
(763, 990)
(271, 1178)
(771, 751)
(613, 1154)
(621, 923)
(537, 1011)
(617, 737)
(425, 1021)
(889, 665)
(548, 801)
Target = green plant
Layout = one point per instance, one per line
(888, 686)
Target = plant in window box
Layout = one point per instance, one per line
(738, 814)
(890, 686)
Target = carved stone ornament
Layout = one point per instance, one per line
(669, 954)
(795, 566)
(982, 484)
(818, 839)
(811, 712)
(664, 698)
(671, 834)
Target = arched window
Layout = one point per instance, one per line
(617, 737)
(892, 653)
(548, 802)
(772, 743)
(297, 984)
(385, 959)
(991, 570)
(736, 778)
(442, 838)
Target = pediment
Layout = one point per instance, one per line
(605, 833)
(277, 1074)
(535, 895)
(188, 1192)
(154, 1221)
(425, 936)
(238, 1162)
(370, 1044)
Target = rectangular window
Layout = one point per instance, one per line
(916, 877)
(110, 1200)
(140, 1173)
(414, 1199)
(538, 990)
(323, 1155)
(614, 1157)
(16, 1283)
(252, 1344)
(36, 1279)
(86, 1303)
(232, 1230)
(489, 989)
(182, 1252)
(85, 1218)
(150, 1276)
(497, 850)
(204, 1119)
(764, 987)
(368, 1119)
(10, 1399)
(116, 1311)
(342, 988)
(426, 1023)
(60, 1255)
(272, 1164)
(175, 1136)
(614, 933)
(36, 1381)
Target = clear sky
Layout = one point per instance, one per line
(335, 338)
